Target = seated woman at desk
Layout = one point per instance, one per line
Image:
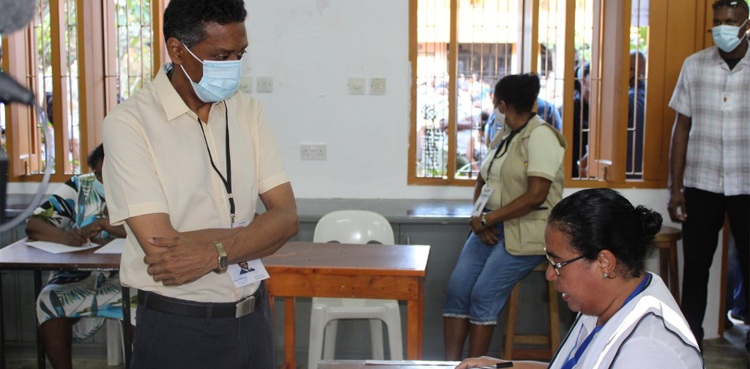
(74, 215)
(597, 245)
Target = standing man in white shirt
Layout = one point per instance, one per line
(187, 159)
(709, 165)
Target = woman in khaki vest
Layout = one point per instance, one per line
(520, 181)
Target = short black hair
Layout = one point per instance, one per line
(186, 20)
(732, 4)
(519, 91)
(96, 156)
(602, 219)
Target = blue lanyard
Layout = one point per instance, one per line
(572, 361)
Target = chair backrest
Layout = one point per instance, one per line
(354, 226)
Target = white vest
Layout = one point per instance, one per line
(604, 349)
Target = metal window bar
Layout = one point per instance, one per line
(70, 83)
(133, 45)
(551, 59)
(584, 29)
(42, 49)
(637, 121)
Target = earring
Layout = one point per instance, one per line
(605, 276)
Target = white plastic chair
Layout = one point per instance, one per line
(115, 343)
(360, 227)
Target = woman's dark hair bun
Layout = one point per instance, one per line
(650, 219)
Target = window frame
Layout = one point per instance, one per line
(610, 57)
(96, 84)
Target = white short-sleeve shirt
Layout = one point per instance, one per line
(157, 161)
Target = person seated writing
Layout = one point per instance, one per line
(75, 215)
(597, 244)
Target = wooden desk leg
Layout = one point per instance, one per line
(289, 356)
(41, 362)
(126, 333)
(415, 326)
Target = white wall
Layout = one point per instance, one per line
(310, 48)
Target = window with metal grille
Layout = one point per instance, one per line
(80, 58)
(580, 50)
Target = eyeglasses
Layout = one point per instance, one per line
(557, 266)
(730, 3)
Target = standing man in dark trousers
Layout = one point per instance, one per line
(188, 157)
(709, 165)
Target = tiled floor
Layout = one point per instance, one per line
(727, 352)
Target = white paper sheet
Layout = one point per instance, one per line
(412, 362)
(58, 248)
(112, 247)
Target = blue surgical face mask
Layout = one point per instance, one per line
(220, 79)
(725, 36)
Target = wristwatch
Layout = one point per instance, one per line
(483, 220)
(223, 263)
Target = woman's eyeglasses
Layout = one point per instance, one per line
(557, 266)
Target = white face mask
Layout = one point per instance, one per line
(220, 79)
(725, 36)
(499, 118)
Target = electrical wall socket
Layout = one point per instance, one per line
(356, 86)
(377, 86)
(312, 151)
(246, 84)
(265, 84)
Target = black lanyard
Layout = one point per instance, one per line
(505, 143)
(228, 180)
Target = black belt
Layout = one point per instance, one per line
(170, 305)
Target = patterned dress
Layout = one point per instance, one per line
(91, 295)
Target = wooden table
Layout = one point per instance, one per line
(381, 364)
(18, 256)
(306, 269)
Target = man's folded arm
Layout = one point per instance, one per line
(268, 231)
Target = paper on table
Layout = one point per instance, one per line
(58, 248)
(412, 362)
(112, 247)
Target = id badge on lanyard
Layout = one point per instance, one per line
(482, 200)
